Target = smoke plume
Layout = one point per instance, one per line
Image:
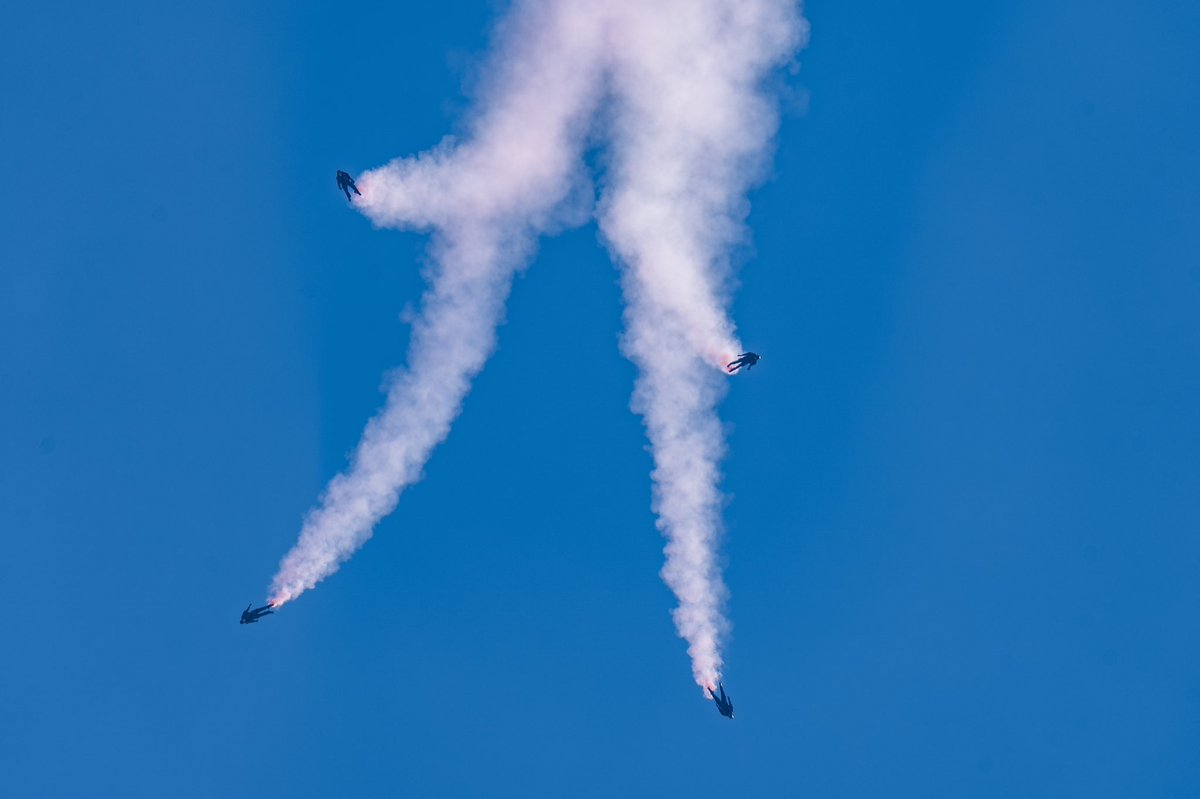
(686, 126)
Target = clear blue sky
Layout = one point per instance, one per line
(962, 538)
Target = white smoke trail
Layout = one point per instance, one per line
(485, 199)
(692, 128)
(691, 125)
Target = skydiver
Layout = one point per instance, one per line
(746, 359)
(724, 703)
(346, 183)
(252, 616)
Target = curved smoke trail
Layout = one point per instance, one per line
(689, 132)
(485, 199)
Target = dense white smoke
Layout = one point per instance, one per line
(485, 199)
(691, 130)
(688, 132)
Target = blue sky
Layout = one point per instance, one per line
(961, 542)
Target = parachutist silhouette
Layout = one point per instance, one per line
(252, 616)
(724, 702)
(346, 183)
(746, 359)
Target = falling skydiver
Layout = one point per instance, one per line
(251, 616)
(746, 359)
(724, 702)
(346, 183)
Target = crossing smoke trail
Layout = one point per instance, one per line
(688, 134)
